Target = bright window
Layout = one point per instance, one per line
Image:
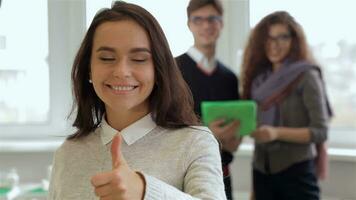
(24, 74)
(331, 37)
(37, 44)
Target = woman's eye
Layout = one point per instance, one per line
(107, 59)
(139, 60)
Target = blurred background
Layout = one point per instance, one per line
(38, 41)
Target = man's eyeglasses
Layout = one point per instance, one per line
(280, 38)
(198, 20)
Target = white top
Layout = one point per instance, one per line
(177, 164)
(203, 62)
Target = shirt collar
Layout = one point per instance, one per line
(201, 59)
(130, 134)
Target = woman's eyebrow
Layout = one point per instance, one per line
(105, 48)
(140, 49)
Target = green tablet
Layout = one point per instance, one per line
(243, 110)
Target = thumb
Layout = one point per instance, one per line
(116, 156)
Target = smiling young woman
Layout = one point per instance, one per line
(134, 118)
(293, 110)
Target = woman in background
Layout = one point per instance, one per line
(135, 137)
(279, 73)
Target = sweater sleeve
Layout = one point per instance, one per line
(315, 102)
(203, 179)
(159, 190)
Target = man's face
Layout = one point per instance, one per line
(205, 24)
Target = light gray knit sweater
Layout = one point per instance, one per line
(176, 164)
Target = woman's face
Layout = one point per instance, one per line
(278, 44)
(122, 69)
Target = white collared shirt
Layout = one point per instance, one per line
(130, 134)
(203, 62)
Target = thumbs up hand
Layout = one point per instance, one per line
(122, 183)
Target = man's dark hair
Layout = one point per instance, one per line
(196, 4)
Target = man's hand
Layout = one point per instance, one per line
(121, 183)
(226, 134)
(231, 145)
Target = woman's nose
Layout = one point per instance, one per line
(122, 69)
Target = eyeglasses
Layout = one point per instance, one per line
(282, 38)
(198, 20)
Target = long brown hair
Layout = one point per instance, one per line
(255, 60)
(170, 102)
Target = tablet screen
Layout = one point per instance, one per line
(244, 111)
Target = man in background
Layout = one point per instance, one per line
(208, 78)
